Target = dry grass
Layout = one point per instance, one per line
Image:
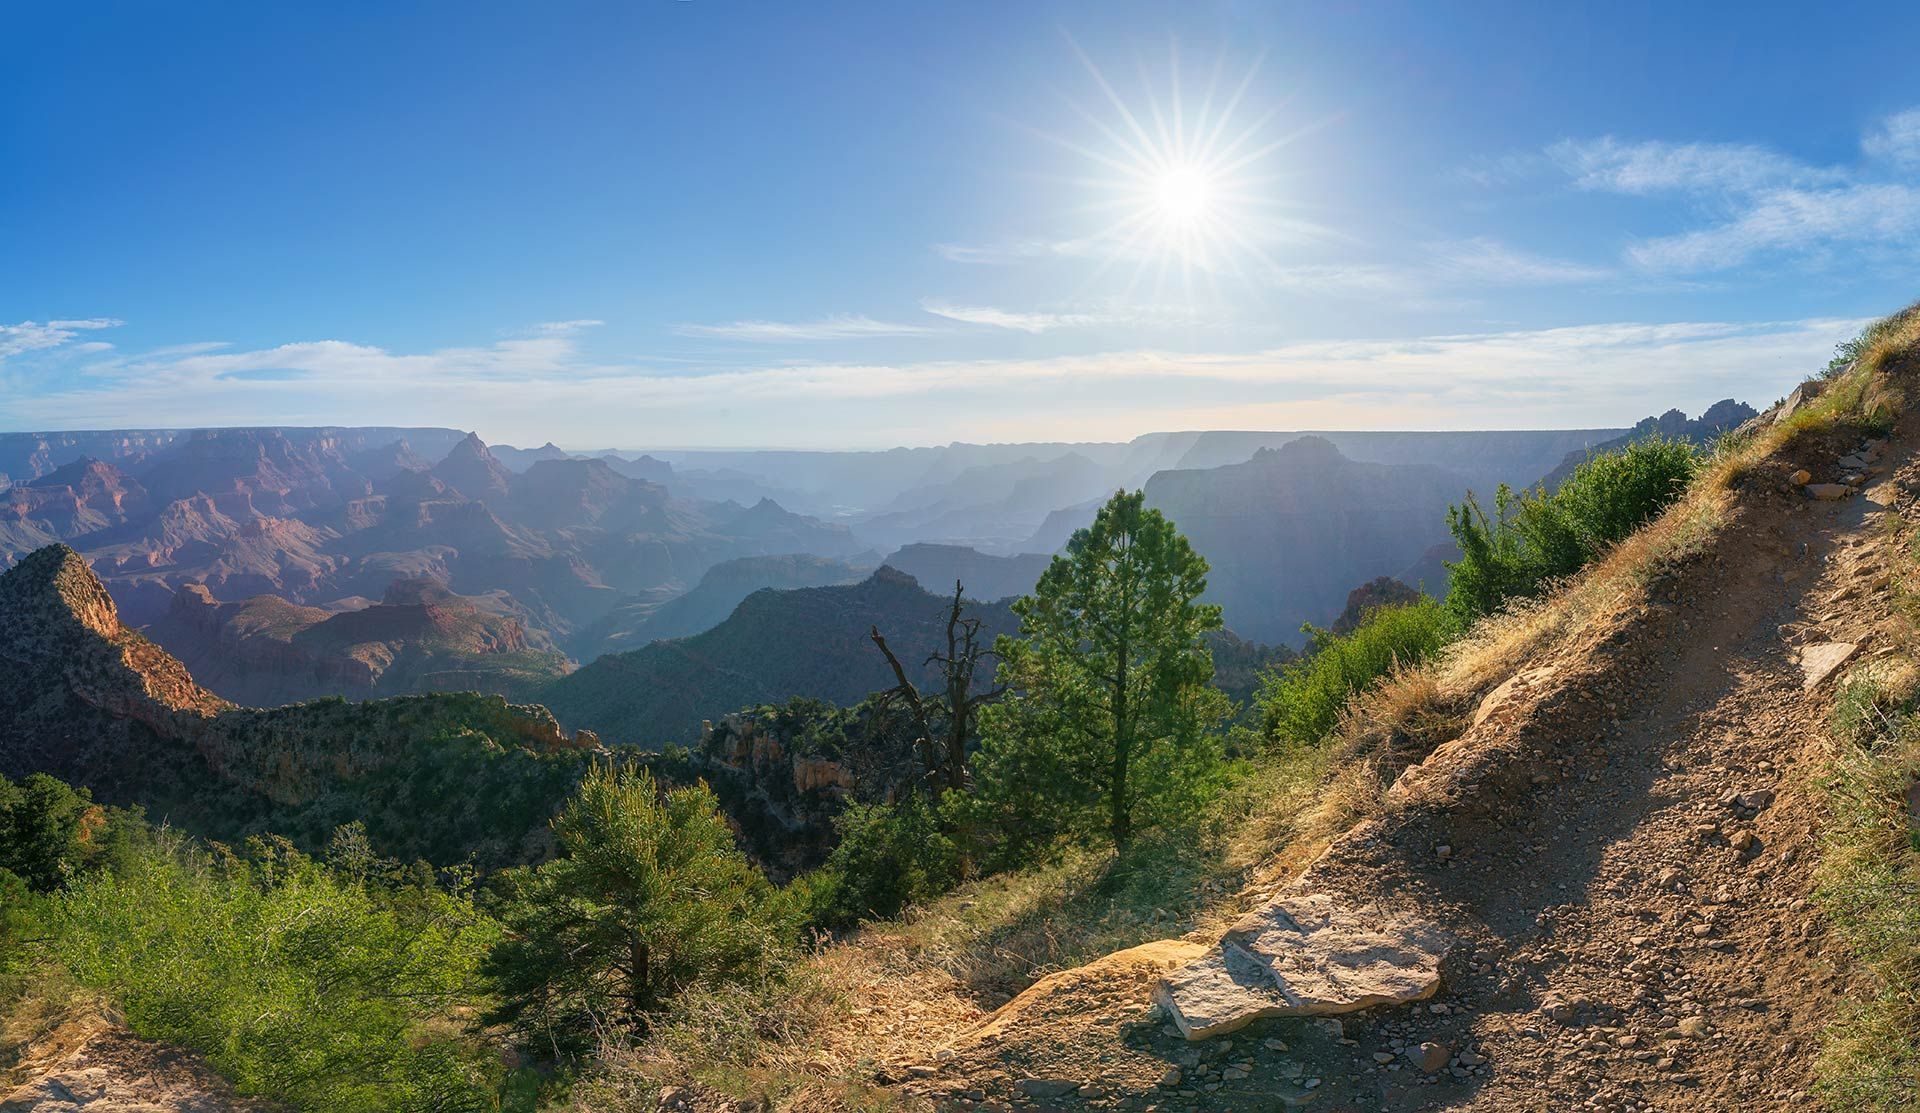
(1414, 709)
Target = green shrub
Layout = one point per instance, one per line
(1538, 537)
(294, 983)
(651, 898)
(889, 856)
(44, 826)
(1302, 702)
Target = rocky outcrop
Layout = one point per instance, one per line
(265, 651)
(1723, 416)
(472, 470)
(1304, 954)
(96, 704)
(785, 772)
(1381, 591)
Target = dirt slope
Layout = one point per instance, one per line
(1622, 847)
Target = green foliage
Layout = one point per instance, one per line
(1302, 702)
(1114, 721)
(650, 898)
(1538, 537)
(889, 856)
(294, 982)
(44, 825)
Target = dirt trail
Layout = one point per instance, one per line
(98, 1066)
(1624, 849)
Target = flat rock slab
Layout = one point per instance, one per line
(1817, 662)
(1829, 491)
(1304, 955)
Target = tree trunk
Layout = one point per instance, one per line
(1121, 824)
(639, 973)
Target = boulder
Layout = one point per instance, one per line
(1828, 491)
(1304, 955)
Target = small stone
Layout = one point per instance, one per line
(1383, 1056)
(1828, 491)
(1044, 1089)
(1469, 1059)
(1802, 477)
(1170, 1078)
(1741, 841)
(1430, 1057)
(1274, 1045)
(1693, 1026)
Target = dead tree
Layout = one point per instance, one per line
(946, 764)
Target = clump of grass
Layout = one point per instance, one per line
(1302, 702)
(1869, 872)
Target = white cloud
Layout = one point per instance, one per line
(1655, 167)
(513, 390)
(844, 327)
(32, 336)
(562, 328)
(1791, 220)
(1763, 202)
(1897, 138)
(1013, 319)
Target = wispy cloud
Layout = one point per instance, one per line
(545, 387)
(845, 327)
(1655, 167)
(563, 328)
(1764, 201)
(1896, 138)
(34, 336)
(1014, 319)
(1790, 220)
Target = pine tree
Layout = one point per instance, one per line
(1114, 724)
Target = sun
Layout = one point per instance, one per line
(1183, 195)
(1183, 181)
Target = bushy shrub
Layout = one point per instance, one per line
(44, 828)
(1301, 702)
(295, 983)
(650, 898)
(1539, 536)
(889, 856)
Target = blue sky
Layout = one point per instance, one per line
(854, 225)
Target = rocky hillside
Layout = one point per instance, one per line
(1288, 533)
(1723, 416)
(776, 645)
(985, 576)
(94, 703)
(645, 620)
(420, 637)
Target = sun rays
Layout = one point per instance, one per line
(1183, 186)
